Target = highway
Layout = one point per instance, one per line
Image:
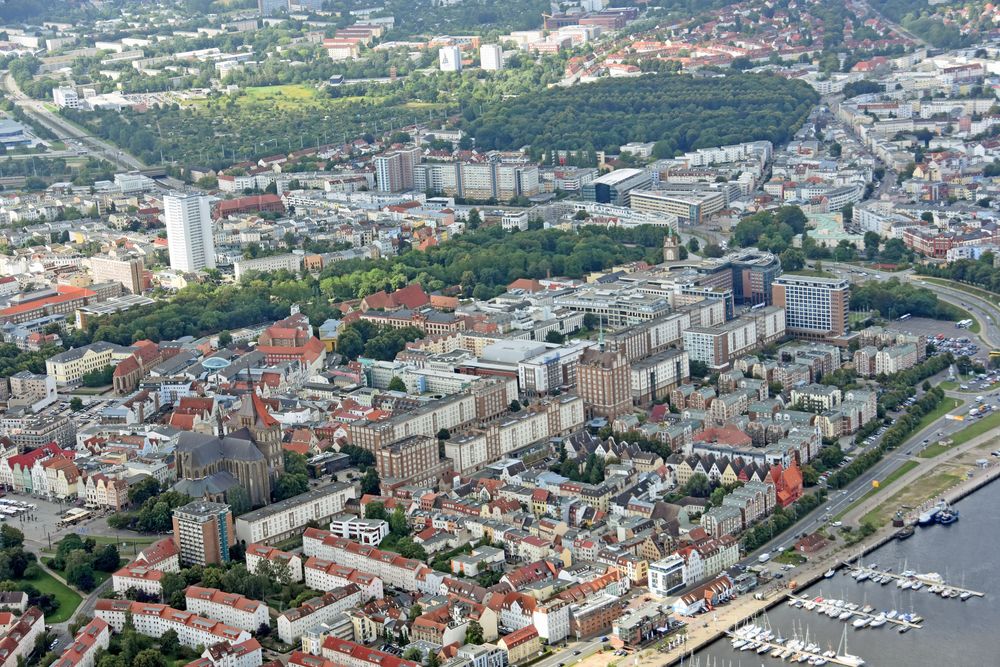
(68, 132)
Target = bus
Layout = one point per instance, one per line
(74, 516)
(963, 324)
(904, 317)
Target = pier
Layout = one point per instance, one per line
(822, 605)
(932, 585)
(794, 651)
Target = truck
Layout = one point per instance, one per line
(763, 558)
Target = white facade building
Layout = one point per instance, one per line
(189, 232)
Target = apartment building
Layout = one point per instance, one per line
(690, 206)
(203, 532)
(155, 619)
(351, 654)
(815, 307)
(413, 459)
(281, 520)
(259, 553)
(394, 171)
(362, 531)
(126, 270)
(324, 575)
(18, 642)
(139, 577)
(478, 180)
(289, 261)
(82, 652)
(393, 570)
(294, 622)
(230, 608)
(653, 378)
(70, 366)
(604, 383)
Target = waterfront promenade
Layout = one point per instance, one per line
(707, 628)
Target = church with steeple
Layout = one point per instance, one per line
(245, 453)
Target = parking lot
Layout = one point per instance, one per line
(41, 525)
(972, 347)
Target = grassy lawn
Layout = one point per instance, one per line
(980, 427)
(946, 406)
(790, 558)
(975, 291)
(812, 273)
(889, 479)
(283, 97)
(69, 599)
(913, 495)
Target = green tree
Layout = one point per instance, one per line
(76, 404)
(143, 490)
(474, 633)
(149, 657)
(554, 336)
(170, 643)
(370, 483)
(698, 486)
(693, 244)
(296, 463)
(10, 537)
(107, 558)
(474, 220)
(397, 384)
(289, 485)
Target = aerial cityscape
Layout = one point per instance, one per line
(499, 333)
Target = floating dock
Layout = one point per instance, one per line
(794, 651)
(926, 583)
(822, 605)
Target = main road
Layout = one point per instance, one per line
(66, 131)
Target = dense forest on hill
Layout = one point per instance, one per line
(679, 113)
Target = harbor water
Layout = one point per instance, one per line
(954, 632)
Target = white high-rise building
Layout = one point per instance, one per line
(189, 232)
(450, 59)
(491, 57)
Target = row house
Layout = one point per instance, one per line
(725, 520)
(99, 490)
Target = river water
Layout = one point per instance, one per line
(954, 633)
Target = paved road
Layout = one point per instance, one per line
(568, 656)
(66, 131)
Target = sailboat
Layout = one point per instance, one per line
(846, 658)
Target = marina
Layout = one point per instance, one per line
(860, 616)
(956, 553)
